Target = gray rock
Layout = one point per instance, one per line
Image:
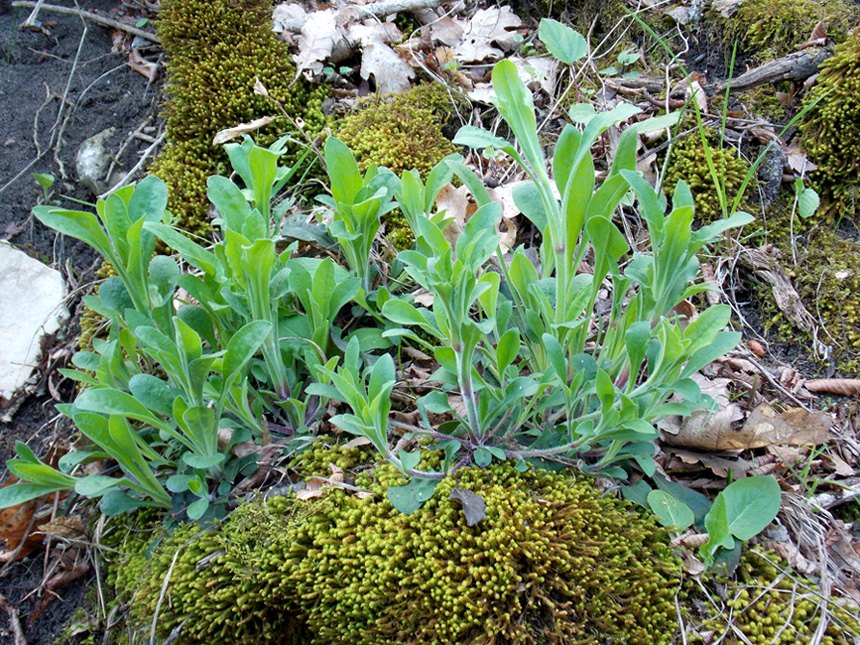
(93, 160)
(31, 306)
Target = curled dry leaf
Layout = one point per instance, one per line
(142, 66)
(319, 36)
(69, 528)
(756, 348)
(844, 386)
(474, 506)
(243, 128)
(791, 554)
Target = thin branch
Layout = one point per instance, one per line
(107, 22)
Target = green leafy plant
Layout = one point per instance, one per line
(537, 371)
(177, 383)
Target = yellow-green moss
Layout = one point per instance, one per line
(315, 460)
(830, 131)
(216, 49)
(230, 585)
(771, 608)
(553, 561)
(400, 131)
(768, 29)
(689, 163)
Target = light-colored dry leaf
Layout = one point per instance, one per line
(312, 488)
(692, 565)
(447, 31)
(457, 206)
(720, 466)
(537, 72)
(796, 158)
(336, 474)
(487, 26)
(319, 35)
(142, 66)
(791, 554)
(356, 443)
(699, 93)
(726, 8)
(243, 128)
(285, 13)
(838, 465)
(423, 297)
(391, 73)
(70, 528)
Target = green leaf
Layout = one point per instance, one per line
(78, 224)
(149, 200)
(24, 492)
(96, 485)
(115, 502)
(202, 462)
(409, 498)
(483, 457)
(243, 345)
(751, 504)
(669, 511)
(562, 42)
(196, 509)
(343, 171)
(807, 199)
(402, 313)
(480, 138)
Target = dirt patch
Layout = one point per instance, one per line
(69, 62)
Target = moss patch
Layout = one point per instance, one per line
(553, 561)
(830, 131)
(769, 29)
(688, 163)
(216, 49)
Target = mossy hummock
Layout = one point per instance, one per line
(554, 561)
(830, 131)
(216, 50)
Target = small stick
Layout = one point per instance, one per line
(125, 180)
(107, 22)
(13, 620)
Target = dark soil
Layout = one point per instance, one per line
(70, 58)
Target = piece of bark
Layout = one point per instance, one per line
(767, 269)
(797, 66)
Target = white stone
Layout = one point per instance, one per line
(31, 306)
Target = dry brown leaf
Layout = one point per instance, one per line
(796, 158)
(447, 31)
(312, 488)
(692, 565)
(142, 66)
(726, 7)
(720, 466)
(844, 386)
(70, 528)
(796, 427)
(791, 554)
(356, 443)
(243, 128)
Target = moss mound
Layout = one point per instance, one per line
(768, 29)
(216, 49)
(689, 163)
(553, 561)
(830, 130)
(400, 131)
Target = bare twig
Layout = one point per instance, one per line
(102, 20)
(17, 632)
(125, 180)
